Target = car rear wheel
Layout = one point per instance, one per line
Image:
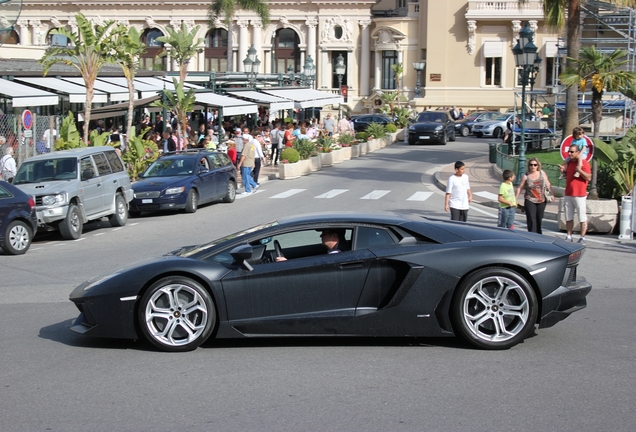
(120, 217)
(231, 192)
(17, 238)
(452, 136)
(494, 308)
(71, 227)
(192, 202)
(497, 133)
(177, 314)
(464, 131)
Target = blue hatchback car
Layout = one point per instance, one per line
(183, 180)
(18, 219)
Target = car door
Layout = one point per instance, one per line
(206, 174)
(108, 181)
(92, 199)
(305, 295)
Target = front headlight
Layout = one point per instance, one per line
(411, 128)
(175, 190)
(439, 128)
(96, 281)
(59, 199)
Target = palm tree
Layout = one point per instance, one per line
(227, 8)
(558, 13)
(603, 72)
(179, 102)
(90, 49)
(130, 48)
(181, 45)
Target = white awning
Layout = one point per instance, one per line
(76, 93)
(307, 98)
(146, 90)
(119, 109)
(230, 105)
(116, 93)
(23, 96)
(168, 79)
(275, 103)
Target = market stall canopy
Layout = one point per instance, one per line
(120, 109)
(115, 93)
(76, 93)
(275, 103)
(307, 98)
(230, 105)
(145, 90)
(23, 96)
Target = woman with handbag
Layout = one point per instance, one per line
(537, 193)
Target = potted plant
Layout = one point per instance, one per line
(305, 149)
(289, 168)
(391, 131)
(363, 142)
(346, 141)
(377, 131)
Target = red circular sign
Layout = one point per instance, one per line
(27, 119)
(587, 151)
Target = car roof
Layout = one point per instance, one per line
(346, 217)
(76, 152)
(189, 153)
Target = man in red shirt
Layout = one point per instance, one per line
(577, 176)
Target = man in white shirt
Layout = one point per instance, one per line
(458, 194)
(49, 138)
(8, 167)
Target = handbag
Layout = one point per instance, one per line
(546, 192)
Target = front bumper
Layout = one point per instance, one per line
(49, 215)
(168, 202)
(434, 136)
(563, 301)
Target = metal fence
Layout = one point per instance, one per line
(506, 161)
(28, 142)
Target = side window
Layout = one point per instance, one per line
(214, 161)
(370, 237)
(115, 162)
(4, 193)
(103, 167)
(223, 159)
(86, 163)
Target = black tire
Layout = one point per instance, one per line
(464, 131)
(504, 298)
(71, 227)
(120, 217)
(17, 238)
(452, 137)
(444, 139)
(230, 195)
(412, 142)
(478, 134)
(165, 321)
(192, 202)
(497, 133)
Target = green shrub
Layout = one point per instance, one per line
(346, 140)
(376, 130)
(290, 155)
(362, 136)
(390, 128)
(305, 148)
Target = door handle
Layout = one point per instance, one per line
(352, 265)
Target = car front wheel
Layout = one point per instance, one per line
(71, 227)
(464, 131)
(192, 201)
(231, 192)
(177, 314)
(120, 217)
(17, 238)
(494, 308)
(497, 133)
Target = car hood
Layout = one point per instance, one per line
(426, 126)
(44, 188)
(490, 122)
(157, 183)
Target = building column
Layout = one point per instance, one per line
(24, 32)
(257, 38)
(35, 33)
(365, 58)
(311, 38)
(378, 70)
(349, 69)
(325, 69)
(243, 41)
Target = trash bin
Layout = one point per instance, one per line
(492, 152)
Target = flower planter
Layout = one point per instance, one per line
(289, 171)
(382, 142)
(338, 156)
(305, 166)
(346, 153)
(355, 150)
(392, 138)
(316, 163)
(364, 147)
(602, 216)
(326, 159)
(374, 145)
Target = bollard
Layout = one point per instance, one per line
(626, 219)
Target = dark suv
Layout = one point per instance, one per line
(361, 121)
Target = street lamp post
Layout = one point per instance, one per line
(419, 67)
(525, 53)
(309, 73)
(339, 70)
(251, 66)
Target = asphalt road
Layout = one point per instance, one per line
(578, 375)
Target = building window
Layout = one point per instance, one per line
(334, 57)
(286, 52)
(58, 40)
(9, 37)
(493, 71)
(149, 59)
(389, 58)
(216, 51)
(550, 71)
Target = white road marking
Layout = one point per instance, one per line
(420, 196)
(332, 193)
(487, 195)
(376, 194)
(288, 193)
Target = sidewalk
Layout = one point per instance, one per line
(485, 179)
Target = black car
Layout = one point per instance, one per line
(361, 121)
(18, 219)
(464, 127)
(183, 180)
(432, 126)
(394, 276)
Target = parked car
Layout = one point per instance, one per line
(183, 180)
(464, 127)
(72, 187)
(361, 121)
(395, 276)
(432, 126)
(18, 219)
(493, 128)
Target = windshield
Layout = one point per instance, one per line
(171, 167)
(502, 118)
(46, 170)
(431, 117)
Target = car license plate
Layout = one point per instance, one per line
(424, 137)
(146, 201)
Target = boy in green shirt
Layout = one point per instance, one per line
(507, 201)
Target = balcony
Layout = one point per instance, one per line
(504, 10)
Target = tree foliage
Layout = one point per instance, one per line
(225, 10)
(179, 102)
(181, 45)
(619, 159)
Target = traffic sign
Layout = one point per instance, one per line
(27, 119)
(587, 151)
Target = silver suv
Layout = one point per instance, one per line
(72, 187)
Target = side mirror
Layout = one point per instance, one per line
(241, 254)
(87, 174)
(203, 170)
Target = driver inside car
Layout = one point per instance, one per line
(330, 239)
